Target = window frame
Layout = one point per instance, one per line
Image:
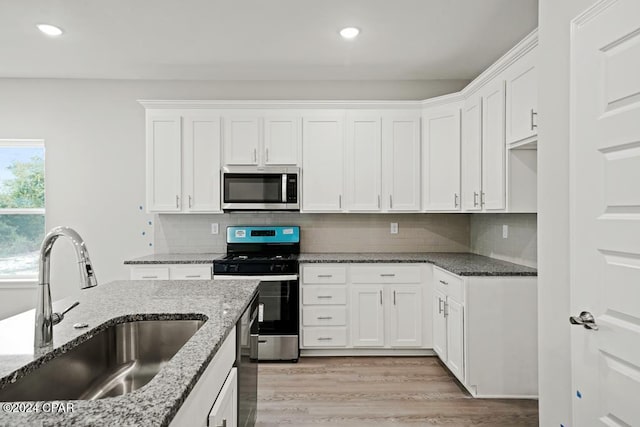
(11, 281)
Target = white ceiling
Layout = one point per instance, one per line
(260, 39)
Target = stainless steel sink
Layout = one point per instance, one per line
(116, 361)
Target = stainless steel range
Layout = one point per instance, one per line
(271, 254)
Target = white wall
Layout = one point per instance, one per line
(520, 246)
(553, 210)
(94, 139)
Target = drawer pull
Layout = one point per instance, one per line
(325, 275)
(443, 282)
(149, 277)
(387, 275)
(262, 341)
(325, 317)
(325, 296)
(325, 339)
(192, 275)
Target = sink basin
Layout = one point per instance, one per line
(116, 361)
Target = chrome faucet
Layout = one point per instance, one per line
(45, 318)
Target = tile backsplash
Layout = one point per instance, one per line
(322, 232)
(520, 246)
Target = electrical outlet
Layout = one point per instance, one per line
(214, 228)
(394, 228)
(505, 231)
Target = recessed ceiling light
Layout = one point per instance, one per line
(50, 30)
(349, 32)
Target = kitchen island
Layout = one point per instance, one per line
(156, 403)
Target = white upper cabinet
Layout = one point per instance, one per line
(281, 140)
(323, 163)
(261, 138)
(472, 154)
(164, 162)
(493, 146)
(183, 162)
(441, 158)
(363, 166)
(522, 99)
(241, 140)
(401, 161)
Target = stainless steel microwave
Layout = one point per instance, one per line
(270, 188)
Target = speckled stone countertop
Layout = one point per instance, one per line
(156, 403)
(462, 264)
(175, 259)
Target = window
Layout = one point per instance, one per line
(21, 207)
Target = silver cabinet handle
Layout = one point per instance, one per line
(443, 282)
(325, 275)
(325, 296)
(475, 199)
(149, 277)
(340, 201)
(390, 201)
(380, 297)
(533, 124)
(192, 275)
(266, 154)
(446, 309)
(325, 317)
(177, 201)
(378, 201)
(387, 275)
(455, 200)
(394, 297)
(482, 197)
(189, 201)
(255, 155)
(585, 319)
(439, 305)
(325, 339)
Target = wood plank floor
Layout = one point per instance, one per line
(380, 391)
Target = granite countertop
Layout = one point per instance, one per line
(176, 259)
(156, 403)
(462, 264)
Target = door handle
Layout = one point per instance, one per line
(390, 201)
(255, 155)
(455, 200)
(533, 114)
(439, 305)
(378, 201)
(340, 201)
(325, 317)
(380, 297)
(585, 319)
(475, 199)
(189, 201)
(177, 201)
(446, 312)
(266, 154)
(394, 297)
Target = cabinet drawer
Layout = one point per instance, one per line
(324, 337)
(324, 295)
(386, 273)
(449, 284)
(149, 273)
(324, 274)
(324, 316)
(190, 272)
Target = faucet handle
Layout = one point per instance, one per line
(58, 317)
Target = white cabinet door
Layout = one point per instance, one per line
(281, 140)
(367, 316)
(322, 163)
(472, 154)
(401, 171)
(455, 338)
(241, 140)
(363, 162)
(522, 99)
(441, 159)
(493, 147)
(225, 409)
(201, 172)
(164, 163)
(439, 325)
(405, 320)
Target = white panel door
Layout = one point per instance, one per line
(439, 325)
(522, 99)
(322, 163)
(241, 140)
(401, 170)
(281, 140)
(455, 337)
(164, 163)
(201, 168)
(605, 200)
(441, 159)
(493, 147)
(225, 408)
(363, 162)
(472, 154)
(367, 316)
(405, 320)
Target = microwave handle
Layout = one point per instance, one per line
(284, 188)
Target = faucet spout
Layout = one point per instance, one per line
(44, 310)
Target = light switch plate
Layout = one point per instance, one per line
(394, 228)
(214, 228)
(505, 231)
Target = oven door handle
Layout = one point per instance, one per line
(274, 278)
(284, 188)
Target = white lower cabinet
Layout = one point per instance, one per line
(367, 316)
(171, 272)
(405, 315)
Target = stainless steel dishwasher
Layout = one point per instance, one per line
(247, 364)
